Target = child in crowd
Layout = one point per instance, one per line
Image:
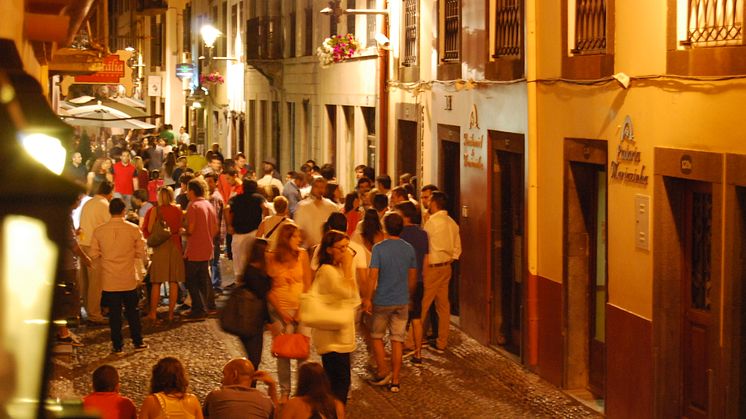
(155, 183)
(105, 399)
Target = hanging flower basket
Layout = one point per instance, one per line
(210, 79)
(337, 48)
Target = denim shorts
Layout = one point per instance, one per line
(393, 318)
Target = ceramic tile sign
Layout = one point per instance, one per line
(627, 166)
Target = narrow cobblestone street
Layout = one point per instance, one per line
(467, 381)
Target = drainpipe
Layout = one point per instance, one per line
(383, 97)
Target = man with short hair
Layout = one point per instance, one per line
(183, 135)
(153, 156)
(216, 164)
(417, 237)
(271, 175)
(244, 214)
(445, 247)
(76, 170)
(425, 193)
(292, 191)
(393, 276)
(217, 202)
(168, 135)
(201, 228)
(380, 204)
(236, 398)
(312, 212)
(398, 195)
(181, 164)
(118, 244)
(125, 179)
(105, 399)
(383, 184)
(95, 212)
(181, 196)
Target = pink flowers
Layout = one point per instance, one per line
(211, 78)
(337, 48)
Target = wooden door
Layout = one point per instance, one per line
(407, 150)
(450, 183)
(508, 268)
(696, 285)
(597, 289)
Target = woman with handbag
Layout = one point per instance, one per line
(256, 281)
(335, 283)
(167, 264)
(288, 266)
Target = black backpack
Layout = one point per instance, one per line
(243, 314)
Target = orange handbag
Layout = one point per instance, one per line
(291, 345)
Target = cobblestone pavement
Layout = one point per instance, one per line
(469, 380)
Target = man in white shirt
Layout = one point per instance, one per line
(94, 213)
(117, 244)
(445, 247)
(270, 177)
(312, 212)
(183, 135)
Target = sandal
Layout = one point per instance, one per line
(394, 388)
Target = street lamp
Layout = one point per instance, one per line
(382, 40)
(209, 35)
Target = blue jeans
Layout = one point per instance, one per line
(217, 279)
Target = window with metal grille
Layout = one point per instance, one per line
(410, 33)
(156, 46)
(714, 23)
(370, 23)
(590, 27)
(508, 28)
(451, 30)
(351, 18)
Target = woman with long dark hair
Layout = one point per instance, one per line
(256, 281)
(369, 232)
(168, 393)
(335, 281)
(100, 171)
(167, 170)
(289, 267)
(352, 211)
(313, 397)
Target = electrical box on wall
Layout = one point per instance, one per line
(642, 222)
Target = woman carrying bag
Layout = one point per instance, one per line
(288, 266)
(336, 294)
(167, 263)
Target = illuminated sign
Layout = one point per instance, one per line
(184, 70)
(112, 72)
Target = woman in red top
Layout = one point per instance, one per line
(167, 263)
(352, 212)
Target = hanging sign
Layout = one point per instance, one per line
(627, 167)
(184, 71)
(154, 85)
(473, 141)
(112, 72)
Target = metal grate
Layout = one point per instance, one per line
(452, 28)
(701, 248)
(508, 28)
(410, 33)
(714, 22)
(590, 27)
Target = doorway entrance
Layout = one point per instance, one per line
(449, 181)
(407, 149)
(585, 281)
(686, 291)
(508, 251)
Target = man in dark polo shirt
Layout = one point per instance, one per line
(245, 213)
(236, 398)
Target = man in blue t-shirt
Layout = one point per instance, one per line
(393, 276)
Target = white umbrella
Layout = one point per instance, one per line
(103, 116)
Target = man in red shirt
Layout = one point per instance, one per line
(105, 399)
(125, 179)
(202, 226)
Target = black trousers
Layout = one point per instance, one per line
(253, 347)
(197, 283)
(114, 300)
(337, 367)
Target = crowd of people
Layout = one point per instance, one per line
(158, 216)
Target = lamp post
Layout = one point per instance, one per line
(209, 35)
(336, 11)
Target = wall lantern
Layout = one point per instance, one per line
(34, 212)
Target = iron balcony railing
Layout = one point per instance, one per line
(508, 28)
(410, 33)
(714, 23)
(452, 29)
(590, 27)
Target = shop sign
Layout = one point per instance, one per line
(627, 167)
(184, 71)
(473, 141)
(112, 72)
(154, 86)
